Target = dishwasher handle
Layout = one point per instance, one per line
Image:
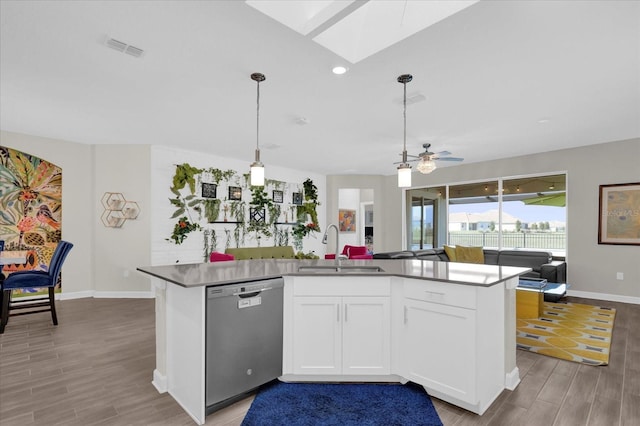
(251, 293)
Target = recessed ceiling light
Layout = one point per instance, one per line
(339, 70)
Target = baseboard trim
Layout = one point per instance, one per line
(124, 295)
(604, 296)
(512, 379)
(106, 295)
(75, 295)
(159, 381)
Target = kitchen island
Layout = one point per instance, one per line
(447, 326)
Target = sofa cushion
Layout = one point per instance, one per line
(469, 254)
(524, 258)
(451, 253)
(278, 252)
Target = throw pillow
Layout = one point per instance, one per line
(469, 254)
(451, 253)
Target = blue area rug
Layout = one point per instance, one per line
(311, 404)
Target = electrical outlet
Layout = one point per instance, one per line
(620, 276)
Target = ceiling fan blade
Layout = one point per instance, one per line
(450, 159)
(408, 161)
(443, 153)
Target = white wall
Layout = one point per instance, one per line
(119, 251)
(163, 162)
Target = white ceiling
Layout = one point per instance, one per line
(500, 78)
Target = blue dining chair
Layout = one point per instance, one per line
(34, 279)
(1, 265)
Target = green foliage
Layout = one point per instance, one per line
(185, 174)
(219, 175)
(211, 209)
(310, 255)
(181, 229)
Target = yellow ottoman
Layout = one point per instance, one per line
(528, 303)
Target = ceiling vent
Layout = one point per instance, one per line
(124, 47)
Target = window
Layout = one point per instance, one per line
(524, 212)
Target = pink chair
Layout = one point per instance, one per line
(358, 252)
(220, 257)
(352, 252)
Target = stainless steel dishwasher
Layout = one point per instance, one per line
(243, 339)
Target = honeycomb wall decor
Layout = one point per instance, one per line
(117, 210)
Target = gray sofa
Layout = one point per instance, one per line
(541, 263)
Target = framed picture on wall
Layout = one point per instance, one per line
(619, 214)
(347, 220)
(297, 198)
(209, 190)
(235, 193)
(278, 196)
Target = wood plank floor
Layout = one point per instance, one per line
(95, 368)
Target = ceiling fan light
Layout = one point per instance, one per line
(404, 175)
(426, 166)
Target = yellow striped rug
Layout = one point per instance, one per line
(571, 331)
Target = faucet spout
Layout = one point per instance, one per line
(324, 241)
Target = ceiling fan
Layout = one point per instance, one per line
(426, 160)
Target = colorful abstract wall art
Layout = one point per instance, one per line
(30, 208)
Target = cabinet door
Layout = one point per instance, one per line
(439, 348)
(366, 335)
(317, 335)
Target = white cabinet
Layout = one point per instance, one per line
(439, 348)
(336, 331)
(453, 341)
(341, 335)
(317, 335)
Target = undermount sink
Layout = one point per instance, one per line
(342, 269)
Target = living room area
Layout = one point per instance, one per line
(570, 133)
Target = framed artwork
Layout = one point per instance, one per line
(297, 198)
(209, 190)
(235, 193)
(347, 220)
(278, 196)
(619, 214)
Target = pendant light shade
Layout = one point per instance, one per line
(404, 169)
(404, 176)
(257, 168)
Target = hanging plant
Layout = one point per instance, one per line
(211, 209)
(181, 229)
(219, 175)
(304, 227)
(185, 174)
(237, 210)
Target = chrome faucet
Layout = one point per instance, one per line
(324, 241)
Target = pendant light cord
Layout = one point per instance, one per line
(258, 118)
(405, 116)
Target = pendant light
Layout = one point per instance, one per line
(404, 169)
(257, 168)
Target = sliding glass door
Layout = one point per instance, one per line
(524, 212)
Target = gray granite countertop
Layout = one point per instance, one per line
(222, 273)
